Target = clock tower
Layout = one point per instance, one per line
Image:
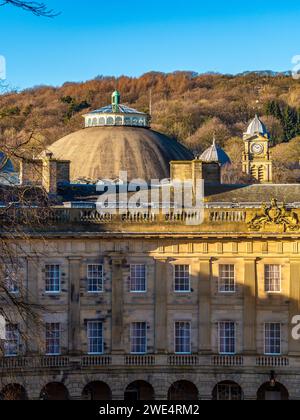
(257, 157)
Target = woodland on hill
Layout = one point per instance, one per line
(191, 108)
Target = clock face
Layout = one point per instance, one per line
(257, 148)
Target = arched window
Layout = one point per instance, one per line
(254, 172)
(110, 121)
(97, 391)
(94, 122)
(183, 391)
(127, 121)
(119, 121)
(101, 121)
(54, 391)
(227, 391)
(139, 391)
(261, 174)
(14, 392)
(272, 392)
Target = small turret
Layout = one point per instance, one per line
(215, 154)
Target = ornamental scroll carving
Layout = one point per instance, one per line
(276, 215)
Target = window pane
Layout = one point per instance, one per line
(272, 278)
(138, 278)
(53, 339)
(12, 338)
(52, 275)
(227, 337)
(95, 278)
(138, 338)
(183, 337)
(95, 337)
(273, 338)
(226, 278)
(182, 278)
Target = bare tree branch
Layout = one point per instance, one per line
(38, 9)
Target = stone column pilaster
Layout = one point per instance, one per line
(161, 319)
(117, 304)
(250, 297)
(205, 306)
(74, 326)
(294, 305)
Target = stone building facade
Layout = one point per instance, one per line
(204, 305)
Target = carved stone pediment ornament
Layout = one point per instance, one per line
(275, 215)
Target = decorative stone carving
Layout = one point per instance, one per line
(275, 215)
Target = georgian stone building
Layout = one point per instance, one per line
(151, 304)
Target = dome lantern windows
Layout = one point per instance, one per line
(116, 115)
(110, 121)
(119, 121)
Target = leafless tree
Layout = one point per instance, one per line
(23, 210)
(37, 8)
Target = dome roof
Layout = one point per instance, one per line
(102, 152)
(215, 154)
(257, 127)
(6, 165)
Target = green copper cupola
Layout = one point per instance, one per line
(117, 114)
(115, 101)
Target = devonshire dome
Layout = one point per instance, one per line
(102, 152)
(115, 139)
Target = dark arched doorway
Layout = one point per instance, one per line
(14, 392)
(139, 391)
(272, 392)
(55, 391)
(97, 391)
(227, 391)
(183, 391)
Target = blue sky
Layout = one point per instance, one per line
(94, 37)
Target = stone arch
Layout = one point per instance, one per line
(97, 391)
(14, 392)
(183, 391)
(110, 121)
(55, 391)
(119, 120)
(139, 391)
(273, 392)
(227, 391)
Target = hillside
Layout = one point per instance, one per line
(185, 105)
